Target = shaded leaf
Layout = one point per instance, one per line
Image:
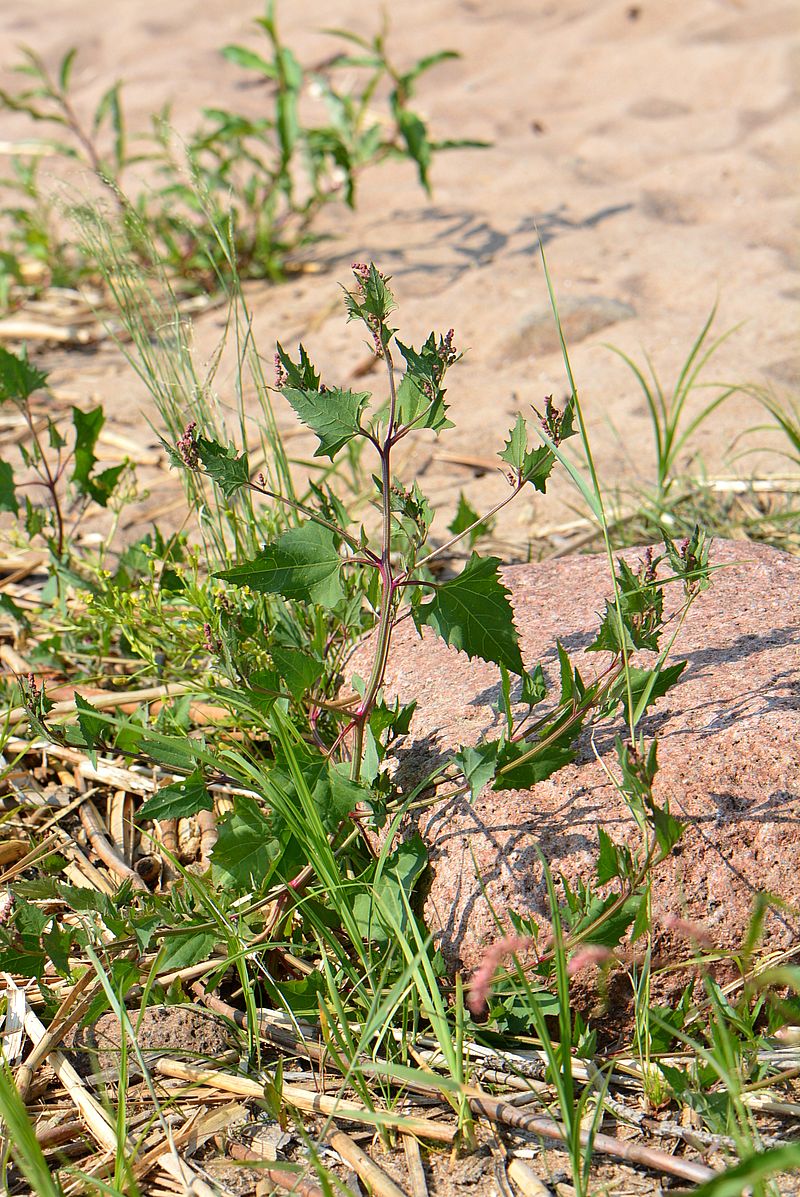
(382, 911)
(297, 669)
(465, 517)
(249, 847)
(517, 770)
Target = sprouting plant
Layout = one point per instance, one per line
(264, 177)
(672, 426)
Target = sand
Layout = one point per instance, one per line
(654, 147)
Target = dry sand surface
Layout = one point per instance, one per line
(654, 145)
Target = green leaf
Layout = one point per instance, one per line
(87, 429)
(8, 497)
(183, 951)
(89, 730)
(517, 444)
(411, 400)
(649, 684)
(241, 56)
(23, 961)
(535, 465)
(751, 1171)
(298, 669)
(425, 64)
(415, 135)
(668, 830)
(423, 393)
(473, 613)
(65, 68)
(248, 849)
(609, 861)
(516, 770)
(413, 505)
(334, 415)
(18, 378)
(373, 302)
(534, 687)
(301, 375)
(690, 561)
(57, 942)
(302, 997)
(607, 929)
(179, 800)
(382, 912)
(478, 764)
(465, 517)
(224, 466)
(173, 751)
(638, 607)
(303, 563)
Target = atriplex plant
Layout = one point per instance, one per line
(309, 563)
(266, 176)
(296, 874)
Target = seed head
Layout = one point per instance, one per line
(187, 447)
(591, 956)
(480, 987)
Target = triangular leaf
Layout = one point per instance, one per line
(224, 466)
(249, 847)
(297, 669)
(478, 764)
(516, 770)
(179, 800)
(472, 612)
(304, 564)
(18, 378)
(334, 415)
(87, 429)
(535, 465)
(465, 517)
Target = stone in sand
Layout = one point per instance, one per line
(729, 751)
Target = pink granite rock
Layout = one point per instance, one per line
(729, 751)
